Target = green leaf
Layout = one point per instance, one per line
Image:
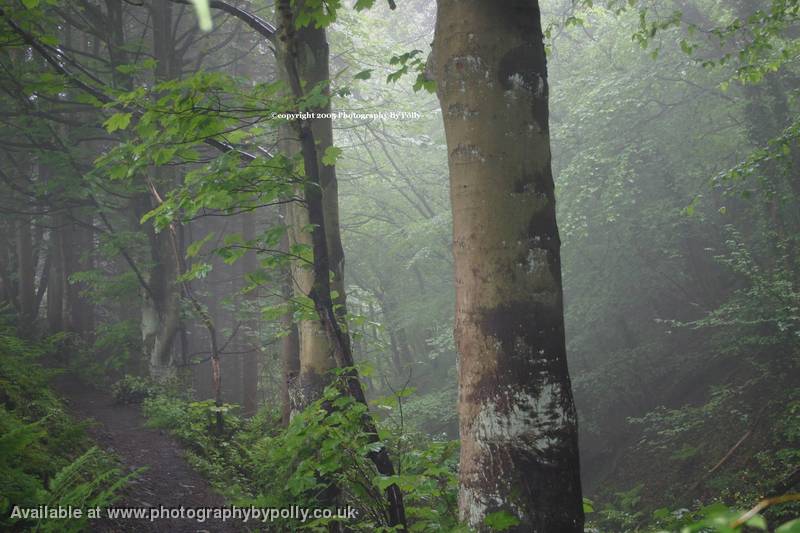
(193, 249)
(164, 155)
(501, 520)
(757, 522)
(197, 271)
(203, 10)
(424, 83)
(118, 121)
(790, 527)
(332, 153)
(30, 4)
(364, 74)
(405, 392)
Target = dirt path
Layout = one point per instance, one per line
(168, 481)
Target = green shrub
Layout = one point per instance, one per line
(45, 458)
(254, 462)
(325, 446)
(133, 390)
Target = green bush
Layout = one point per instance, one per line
(325, 447)
(45, 458)
(133, 390)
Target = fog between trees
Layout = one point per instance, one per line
(419, 259)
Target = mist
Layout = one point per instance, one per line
(432, 266)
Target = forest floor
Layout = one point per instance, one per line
(168, 480)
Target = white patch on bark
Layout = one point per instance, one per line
(468, 63)
(521, 419)
(461, 111)
(513, 419)
(149, 328)
(539, 92)
(467, 153)
(474, 505)
(153, 342)
(537, 261)
(519, 84)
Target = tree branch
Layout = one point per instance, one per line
(260, 25)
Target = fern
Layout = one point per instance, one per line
(39, 441)
(89, 481)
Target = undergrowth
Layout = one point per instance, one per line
(45, 456)
(322, 460)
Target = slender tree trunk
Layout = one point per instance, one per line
(9, 285)
(316, 353)
(70, 256)
(250, 357)
(398, 342)
(161, 305)
(26, 274)
(55, 288)
(290, 362)
(77, 240)
(518, 427)
(84, 308)
(290, 344)
(329, 306)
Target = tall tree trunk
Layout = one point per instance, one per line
(290, 343)
(328, 304)
(316, 353)
(160, 309)
(55, 288)
(161, 304)
(250, 357)
(77, 255)
(77, 235)
(9, 284)
(518, 427)
(26, 274)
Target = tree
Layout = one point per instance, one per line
(324, 231)
(315, 351)
(161, 305)
(249, 343)
(518, 425)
